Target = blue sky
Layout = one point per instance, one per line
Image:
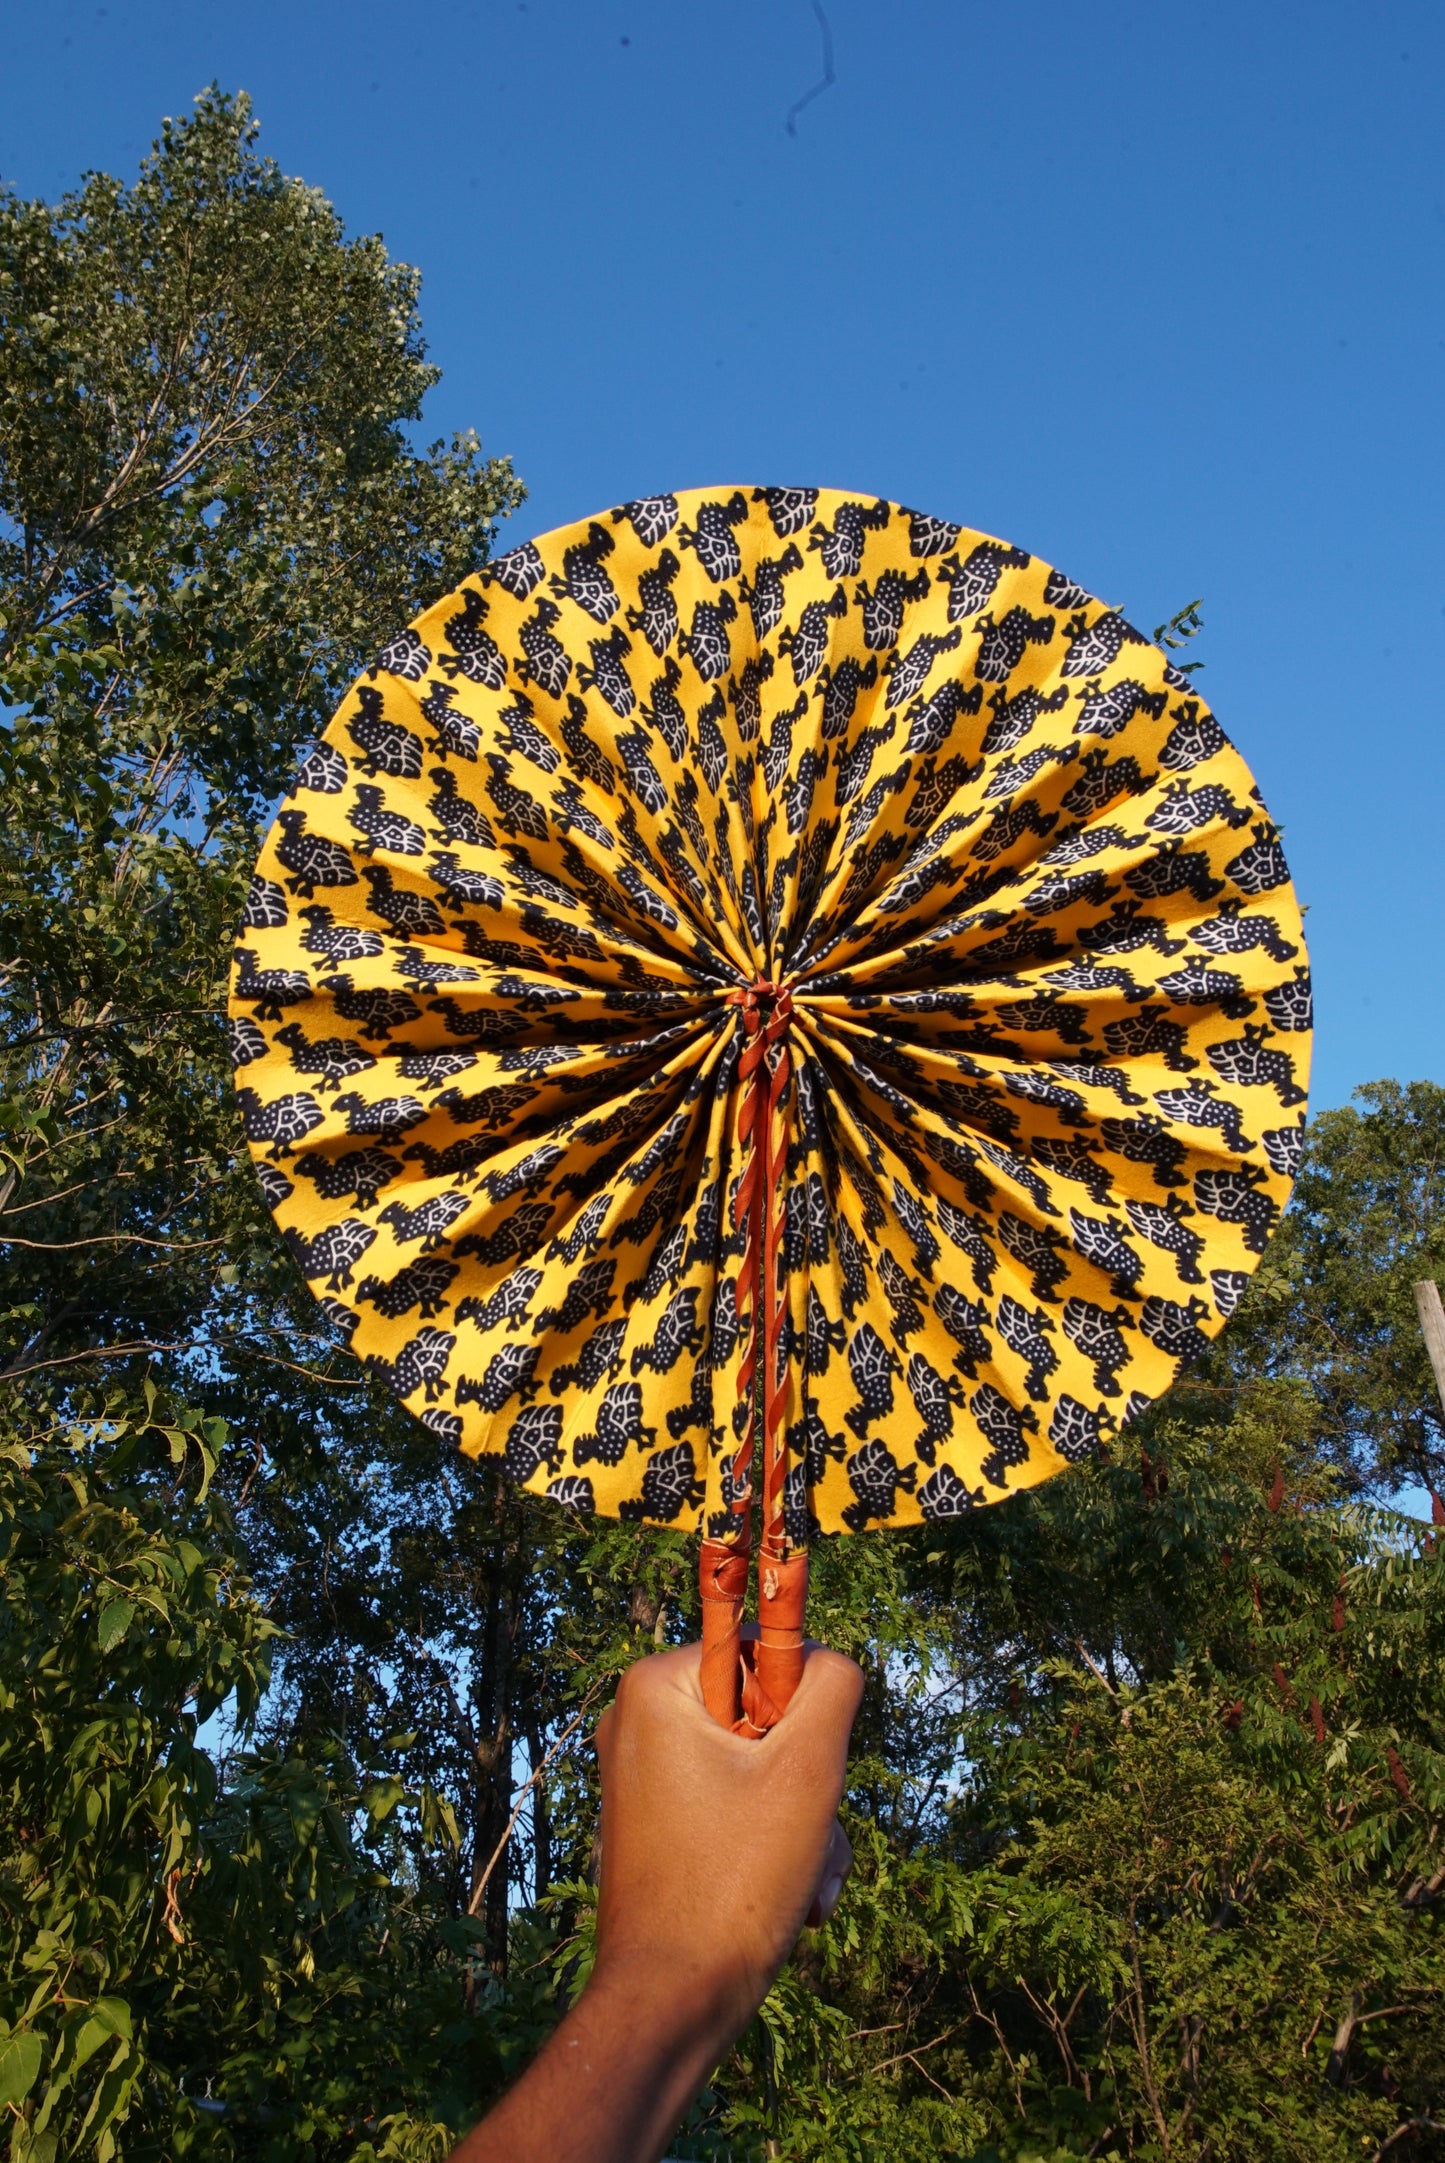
(1154, 291)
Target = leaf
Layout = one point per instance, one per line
(382, 1797)
(114, 2017)
(111, 2100)
(438, 1820)
(115, 1619)
(208, 1463)
(19, 2065)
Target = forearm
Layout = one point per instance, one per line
(715, 1852)
(612, 2083)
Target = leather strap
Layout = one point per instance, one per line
(723, 1583)
(747, 1685)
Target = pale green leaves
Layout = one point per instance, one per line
(100, 2031)
(382, 1797)
(115, 1619)
(20, 2057)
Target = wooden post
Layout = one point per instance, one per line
(1432, 1325)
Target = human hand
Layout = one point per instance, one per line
(716, 1851)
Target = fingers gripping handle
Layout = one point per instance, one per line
(778, 1661)
(723, 1583)
(748, 1684)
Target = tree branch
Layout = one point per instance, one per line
(107, 1239)
(524, 1791)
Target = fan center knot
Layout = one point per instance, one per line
(766, 1007)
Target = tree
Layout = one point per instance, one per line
(168, 1939)
(1332, 1305)
(210, 513)
(1166, 1880)
(297, 1828)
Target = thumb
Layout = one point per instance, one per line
(837, 1867)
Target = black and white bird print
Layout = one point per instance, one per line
(1049, 1029)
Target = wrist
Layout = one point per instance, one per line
(619, 2073)
(691, 2007)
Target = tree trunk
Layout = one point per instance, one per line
(1432, 1326)
(1340, 2048)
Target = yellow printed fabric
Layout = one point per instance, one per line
(1050, 1032)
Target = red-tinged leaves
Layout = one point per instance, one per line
(1226, 1556)
(1437, 1509)
(1282, 1684)
(1276, 1492)
(1317, 1721)
(1398, 1773)
(1146, 1475)
(1234, 1715)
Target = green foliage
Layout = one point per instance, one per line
(1332, 1304)
(123, 1623)
(1177, 630)
(1178, 1897)
(296, 1810)
(210, 513)
(168, 1937)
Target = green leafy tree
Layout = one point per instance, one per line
(192, 1966)
(211, 511)
(297, 1837)
(122, 1624)
(1165, 1880)
(1333, 1307)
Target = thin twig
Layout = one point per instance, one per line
(274, 1359)
(108, 1239)
(914, 2060)
(522, 1793)
(917, 2049)
(1094, 1669)
(1409, 2125)
(42, 1201)
(146, 1344)
(102, 1351)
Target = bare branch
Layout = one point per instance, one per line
(525, 1790)
(1095, 1670)
(1409, 2125)
(107, 1239)
(105, 1351)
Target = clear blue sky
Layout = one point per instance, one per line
(1155, 291)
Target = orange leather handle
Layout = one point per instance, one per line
(723, 1583)
(748, 1684)
(778, 1659)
